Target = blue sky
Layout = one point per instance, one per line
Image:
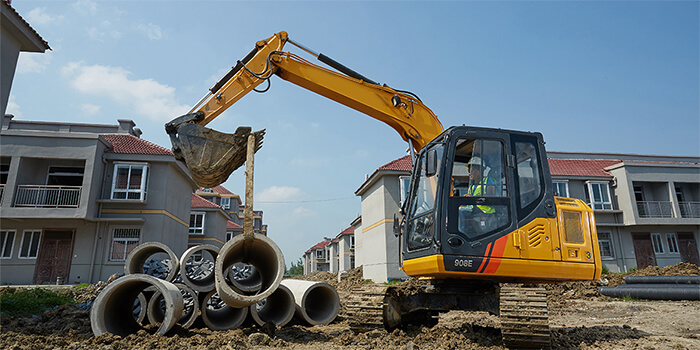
(613, 77)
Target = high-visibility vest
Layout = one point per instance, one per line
(475, 190)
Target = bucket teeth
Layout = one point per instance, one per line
(210, 155)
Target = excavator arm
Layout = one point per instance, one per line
(212, 156)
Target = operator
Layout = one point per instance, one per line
(480, 185)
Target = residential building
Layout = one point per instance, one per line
(233, 205)
(208, 223)
(647, 208)
(316, 258)
(382, 193)
(341, 251)
(16, 36)
(77, 198)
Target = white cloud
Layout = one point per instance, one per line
(89, 109)
(144, 97)
(301, 212)
(151, 31)
(38, 16)
(85, 7)
(105, 30)
(13, 108)
(33, 62)
(279, 194)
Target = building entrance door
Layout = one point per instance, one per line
(688, 248)
(54, 258)
(643, 250)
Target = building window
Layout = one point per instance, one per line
(352, 261)
(561, 188)
(404, 186)
(229, 235)
(124, 240)
(30, 244)
(130, 182)
(352, 242)
(4, 171)
(598, 195)
(658, 243)
(226, 202)
(207, 190)
(196, 223)
(65, 176)
(672, 243)
(7, 242)
(606, 246)
(319, 254)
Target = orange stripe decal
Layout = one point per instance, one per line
(488, 247)
(498, 248)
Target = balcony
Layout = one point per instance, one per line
(40, 196)
(655, 209)
(690, 209)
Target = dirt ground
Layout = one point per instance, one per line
(580, 318)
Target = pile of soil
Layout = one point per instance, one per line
(580, 319)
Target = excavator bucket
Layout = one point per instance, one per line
(210, 155)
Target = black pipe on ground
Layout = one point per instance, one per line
(662, 279)
(653, 291)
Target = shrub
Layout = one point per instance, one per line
(32, 301)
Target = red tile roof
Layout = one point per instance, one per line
(581, 167)
(218, 189)
(130, 144)
(348, 231)
(232, 225)
(401, 164)
(321, 245)
(199, 202)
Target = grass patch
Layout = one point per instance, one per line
(31, 301)
(605, 270)
(628, 298)
(391, 283)
(81, 286)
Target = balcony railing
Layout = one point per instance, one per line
(38, 196)
(655, 209)
(690, 209)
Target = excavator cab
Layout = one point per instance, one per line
(481, 205)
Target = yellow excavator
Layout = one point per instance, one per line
(481, 228)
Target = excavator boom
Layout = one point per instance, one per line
(212, 156)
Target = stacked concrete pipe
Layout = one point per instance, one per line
(257, 250)
(220, 317)
(109, 314)
(206, 284)
(140, 254)
(156, 312)
(317, 303)
(278, 308)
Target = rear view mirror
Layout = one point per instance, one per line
(431, 166)
(397, 226)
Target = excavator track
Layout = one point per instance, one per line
(524, 317)
(365, 308)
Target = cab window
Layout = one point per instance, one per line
(423, 196)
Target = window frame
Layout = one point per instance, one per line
(320, 254)
(404, 188)
(591, 200)
(352, 241)
(29, 249)
(658, 247)
(672, 249)
(226, 206)
(143, 187)
(3, 245)
(609, 240)
(566, 187)
(125, 240)
(190, 227)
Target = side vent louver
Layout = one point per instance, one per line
(535, 234)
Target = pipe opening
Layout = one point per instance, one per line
(154, 259)
(321, 304)
(197, 267)
(219, 316)
(278, 308)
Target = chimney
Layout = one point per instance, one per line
(126, 126)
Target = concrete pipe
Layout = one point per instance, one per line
(218, 316)
(197, 274)
(259, 251)
(140, 306)
(244, 277)
(139, 255)
(278, 308)
(316, 302)
(190, 311)
(111, 311)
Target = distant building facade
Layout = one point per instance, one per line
(77, 198)
(332, 254)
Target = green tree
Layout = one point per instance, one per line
(297, 268)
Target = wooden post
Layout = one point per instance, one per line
(248, 209)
